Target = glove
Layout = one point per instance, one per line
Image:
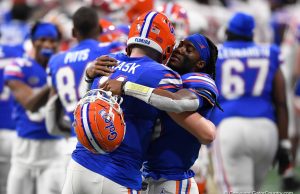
(283, 156)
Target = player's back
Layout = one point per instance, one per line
(7, 54)
(246, 71)
(67, 72)
(174, 151)
(123, 165)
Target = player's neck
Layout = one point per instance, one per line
(137, 52)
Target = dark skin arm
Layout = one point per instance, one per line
(101, 67)
(31, 100)
(279, 99)
(193, 122)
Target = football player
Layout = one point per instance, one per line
(7, 126)
(167, 166)
(66, 72)
(35, 164)
(151, 41)
(255, 121)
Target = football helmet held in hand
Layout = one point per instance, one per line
(99, 121)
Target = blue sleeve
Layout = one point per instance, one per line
(203, 86)
(1, 80)
(297, 88)
(167, 80)
(14, 71)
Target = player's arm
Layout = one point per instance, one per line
(30, 99)
(281, 112)
(100, 67)
(54, 118)
(180, 101)
(200, 127)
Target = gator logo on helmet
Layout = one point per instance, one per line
(109, 125)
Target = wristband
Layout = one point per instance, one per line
(138, 91)
(286, 143)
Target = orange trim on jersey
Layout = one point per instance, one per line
(189, 186)
(129, 191)
(177, 187)
(167, 87)
(169, 75)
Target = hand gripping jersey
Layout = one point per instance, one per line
(7, 53)
(175, 150)
(123, 165)
(246, 72)
(28, 125)
(67, 72)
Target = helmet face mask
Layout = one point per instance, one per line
(154, 30)
(99, 122)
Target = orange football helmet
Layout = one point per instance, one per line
(179, 18)
(99, 121)
(111, 32)
(154, 30)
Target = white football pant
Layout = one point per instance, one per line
(80, 180)
(7, 137)
(37, 167)
(243, 152)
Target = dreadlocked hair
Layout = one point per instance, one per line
(210, 68)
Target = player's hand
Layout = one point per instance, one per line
(102, 66)
(283, 156)
(114, 86)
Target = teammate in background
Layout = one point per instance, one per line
(67, 72)
(15, 30)
(35, 168)
(252, 93)
(7, 125)
(287, 31)
(113, 36)
(119, 171)
(167, 166)
(179, 18)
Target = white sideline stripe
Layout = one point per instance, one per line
(202, 78)
(147, 24)
(170, 81)
(88, 130)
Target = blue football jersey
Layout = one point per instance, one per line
(297, 88)
(174, 150)
(123, 165)
(28, 124)
(245, 75)
(67, 72)
(7, 54)
(14, 32)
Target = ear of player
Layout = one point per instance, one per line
(99, 121)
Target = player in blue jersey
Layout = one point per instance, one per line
(7, 126)
(167, 166)
(255, 121)
(67, 71)
(36, 154)
(151, 41)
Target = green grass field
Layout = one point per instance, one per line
(272, 182)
